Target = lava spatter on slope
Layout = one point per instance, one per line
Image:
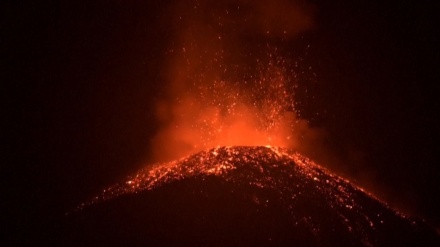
(268, 195)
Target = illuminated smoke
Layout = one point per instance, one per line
(230, 80)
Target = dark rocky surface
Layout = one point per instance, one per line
(241, 196)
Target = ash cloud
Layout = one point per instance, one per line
(230, 79)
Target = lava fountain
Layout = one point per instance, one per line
(231, 78)
(230, 113)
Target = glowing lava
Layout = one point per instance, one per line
(235, 196)
(229, 106)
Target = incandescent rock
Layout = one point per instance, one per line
(241, 196)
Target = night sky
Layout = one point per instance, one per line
(81, 81)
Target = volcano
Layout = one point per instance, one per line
(241, 196)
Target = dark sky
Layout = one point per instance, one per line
(82, 78)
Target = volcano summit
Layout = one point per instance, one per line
(241, 196)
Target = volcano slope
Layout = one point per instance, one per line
(241, 196)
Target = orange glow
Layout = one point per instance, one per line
(224, 114)
(225, 90)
